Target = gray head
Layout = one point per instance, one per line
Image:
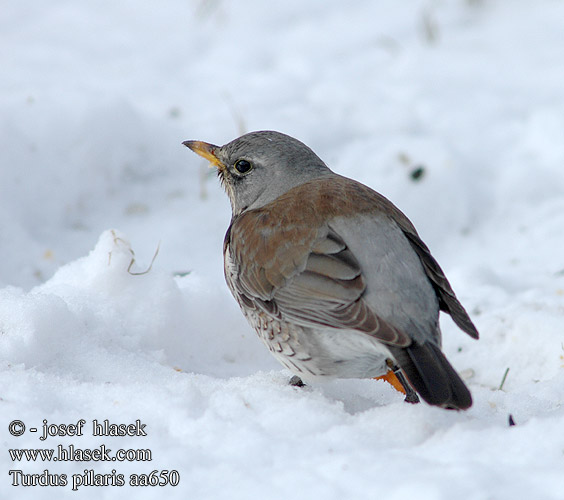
(258, 167)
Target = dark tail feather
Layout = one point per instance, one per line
(432, 376)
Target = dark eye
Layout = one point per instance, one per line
(243, 166)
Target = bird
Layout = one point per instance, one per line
(332, 276)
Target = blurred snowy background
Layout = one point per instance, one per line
(454, 109)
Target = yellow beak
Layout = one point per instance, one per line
(205, 150)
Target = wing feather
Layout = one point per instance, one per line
(316, 281)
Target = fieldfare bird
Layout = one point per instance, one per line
(331, 275)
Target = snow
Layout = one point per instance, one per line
(96, 98)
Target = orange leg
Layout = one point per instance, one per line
(397, 380)
(393, 380)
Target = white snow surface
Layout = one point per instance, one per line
(95, 100)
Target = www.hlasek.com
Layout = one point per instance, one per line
(71, 453)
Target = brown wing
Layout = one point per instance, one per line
(447, 299)
(304, 273)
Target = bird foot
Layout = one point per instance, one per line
(296, 381)
(397, 380)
